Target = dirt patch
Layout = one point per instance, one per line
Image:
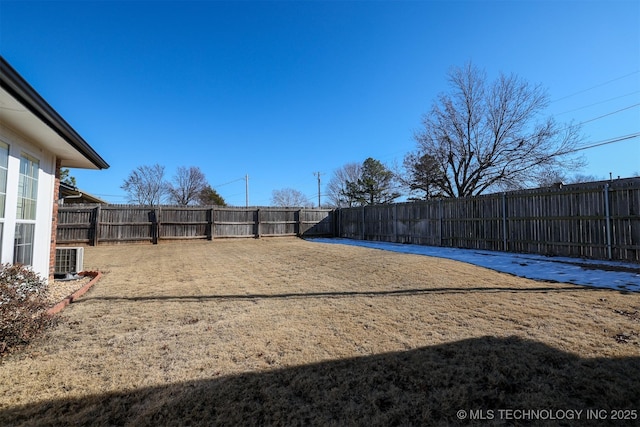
(284, 331)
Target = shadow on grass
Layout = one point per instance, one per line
(342, 294)
(425, 386)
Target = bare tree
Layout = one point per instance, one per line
(491, 136)
(580, 178)
(146, 185)
(337, 185)
(187, 185)
(288, 197)
(550, 178)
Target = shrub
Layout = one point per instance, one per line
(23, 304)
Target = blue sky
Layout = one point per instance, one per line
(280, 90)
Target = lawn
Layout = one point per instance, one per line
(285, 331)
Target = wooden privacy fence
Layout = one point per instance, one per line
(599, 220)
(95, 224)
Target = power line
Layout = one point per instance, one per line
(235, 194)
(230, 182)
(246, 191)
(570, 126)
(109, 195)
(604, 142)
(609, 114)
(598, 103)
(596, 86)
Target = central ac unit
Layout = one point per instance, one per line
(68, 260)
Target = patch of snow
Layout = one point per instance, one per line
(600, 274)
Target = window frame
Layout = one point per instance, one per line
(4, 178)
(26, 209)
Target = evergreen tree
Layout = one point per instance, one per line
(209, 196)
(375, 185)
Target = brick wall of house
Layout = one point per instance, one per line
(54, 222)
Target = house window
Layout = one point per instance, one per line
(23, 248)
(26, 213)
(4, 163)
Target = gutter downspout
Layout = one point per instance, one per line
(77, 196)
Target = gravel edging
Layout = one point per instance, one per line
(95, 275)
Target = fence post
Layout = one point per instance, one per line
(258, 223)
(440, 213)
(96, 226)
(607, 219)
(159, 225)
(210, 223)
(334, 222)
(505, 242)
(153, 219)
(299, 233)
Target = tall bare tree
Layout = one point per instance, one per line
(289, 197)
(337, 186)
(489, 136)
(187, 185)
(146, 185)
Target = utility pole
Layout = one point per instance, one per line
(318, 175)
(246, 189)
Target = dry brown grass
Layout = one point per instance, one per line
(284, 331)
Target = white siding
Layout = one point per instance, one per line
(19, 145)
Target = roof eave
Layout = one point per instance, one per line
(15, 85)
